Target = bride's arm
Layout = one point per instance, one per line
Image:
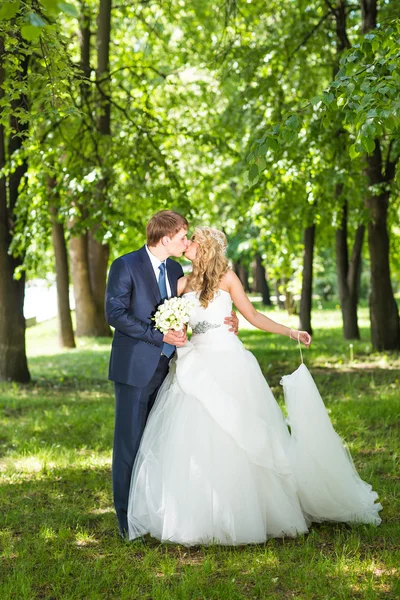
(245, 307)
(181, 285)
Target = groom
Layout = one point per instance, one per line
(138, 282)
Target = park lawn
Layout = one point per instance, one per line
(58, 534)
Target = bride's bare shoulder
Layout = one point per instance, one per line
(183, 285)
(227, 280)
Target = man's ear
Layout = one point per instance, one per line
(165, 240)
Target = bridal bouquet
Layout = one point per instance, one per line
(174, 313)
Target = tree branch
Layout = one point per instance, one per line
(311, 33)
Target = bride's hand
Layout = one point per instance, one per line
(304, 336)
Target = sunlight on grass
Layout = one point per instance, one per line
(58, 537)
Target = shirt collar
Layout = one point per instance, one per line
(156, 262)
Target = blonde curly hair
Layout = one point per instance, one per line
(210, 263)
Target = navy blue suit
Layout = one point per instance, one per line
(136, 365)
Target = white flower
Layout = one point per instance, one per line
(174, 313)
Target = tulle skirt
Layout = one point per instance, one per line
(217, 463)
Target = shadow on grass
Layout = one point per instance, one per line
(67, 422)
(58, 531)
(59, 540)
(75, 369)
(59, 498)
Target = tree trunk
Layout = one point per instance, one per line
(85, 305)
(99, 253)
(306, 288)
(384, 314)
(65, 329)
(243, 274)
(84, 43)
(348, 274)
(103, 59)
(290, 304)
(89, 258)
(279, 302)
(13, 362)
(98, 261)
(260, 281)
(369, 14)
(385, 326)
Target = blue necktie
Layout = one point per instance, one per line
(167, 349)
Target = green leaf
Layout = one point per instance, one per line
(68, 9)
(327, 97)
(353, 151)
(315, 100)
(35, 19)
(293, 122)
(288, 135)
(50, 5)
(9, 9)
(367, 47)
(261, 164)
(273, 144)
(251, 157)
(365, 86)
(368, 144)
(253, 174)
(391, 123)
(261, 140)
(30, 32)
(262, 150)
(341, 100)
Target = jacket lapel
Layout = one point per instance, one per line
(172, 280)
(148, 271)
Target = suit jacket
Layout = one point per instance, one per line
(132, 297)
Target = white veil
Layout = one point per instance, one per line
(328, 484)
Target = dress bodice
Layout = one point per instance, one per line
(207, 324)
(205, 319)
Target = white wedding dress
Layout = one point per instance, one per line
(217, 462)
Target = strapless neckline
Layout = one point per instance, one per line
(218, 290)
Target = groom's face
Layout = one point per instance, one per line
(178, 244)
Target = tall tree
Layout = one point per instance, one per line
(307, 279)
(65, 328)
(89, 257)
(260, 280)
(348, 271)
(99, 252)
(384, 314)
(13, 362)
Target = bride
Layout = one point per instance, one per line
(216, 461)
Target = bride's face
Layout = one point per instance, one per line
(190, 253)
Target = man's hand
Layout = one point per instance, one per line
(233, 322)
(175, 338)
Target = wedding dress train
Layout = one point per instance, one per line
(217, 462)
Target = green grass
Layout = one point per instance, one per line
(58, 534)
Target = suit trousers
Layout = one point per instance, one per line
(132, 407)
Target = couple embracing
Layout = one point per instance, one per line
(202, 453)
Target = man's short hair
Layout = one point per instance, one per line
(165, 222)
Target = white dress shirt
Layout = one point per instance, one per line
(156, 262)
